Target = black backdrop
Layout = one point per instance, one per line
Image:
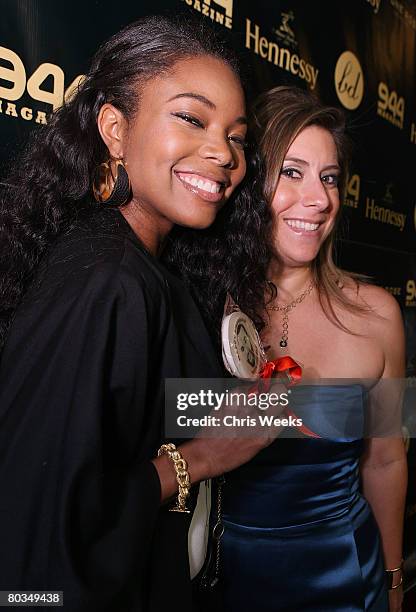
(359, 54)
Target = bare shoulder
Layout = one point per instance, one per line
(380, 301)
(376, 299)
(383, 314)
(385, 325)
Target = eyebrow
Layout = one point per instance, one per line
(206, 101)
(305, 163)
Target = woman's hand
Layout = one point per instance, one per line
(217, 450)
(221, 449)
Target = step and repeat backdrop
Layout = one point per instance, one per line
(357, 54)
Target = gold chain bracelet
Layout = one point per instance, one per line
(182, 475)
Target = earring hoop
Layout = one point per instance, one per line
(111, 188)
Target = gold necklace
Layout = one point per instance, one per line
(286, 309)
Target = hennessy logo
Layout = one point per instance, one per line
(279, 55)
(349, 80)
(285, 27)
(388, 196)
(383, 214)
(284, 32)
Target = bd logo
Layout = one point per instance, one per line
(390, 105)
(349, 80)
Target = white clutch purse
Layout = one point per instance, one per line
(244, 357)
(199, 529)
(242, 350)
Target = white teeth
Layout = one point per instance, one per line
(303, 225)
(208, 186)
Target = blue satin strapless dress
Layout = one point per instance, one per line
(299, 536)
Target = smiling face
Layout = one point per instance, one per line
(306, 200)
(184, 150)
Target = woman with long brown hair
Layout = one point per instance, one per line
(315, 523)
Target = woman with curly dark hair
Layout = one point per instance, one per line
(92, 323)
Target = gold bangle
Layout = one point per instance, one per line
(396, 586)
(396, 569)
(390, 576)
(182, 475)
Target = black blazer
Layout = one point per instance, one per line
(81, 416)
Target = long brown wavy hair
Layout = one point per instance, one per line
(280, 114)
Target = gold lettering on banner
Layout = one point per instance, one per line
(279, 56)
(33, 84)
(226, 4)
(413, 133)
(411, 293)
(384, 215)
(390, 106)
(16, 76)
(207, 8)
(264, 47)
(352, 195)
(397, 291)
(26, 113)
(41, 118)
(11, 109)
(294, 62)
(349, 80)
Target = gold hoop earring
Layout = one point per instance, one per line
(111, 189)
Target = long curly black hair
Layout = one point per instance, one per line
(50, 190)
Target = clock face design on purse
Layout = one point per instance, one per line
(242, 350)
(243, 344)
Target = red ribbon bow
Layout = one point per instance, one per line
(293, 371)
(287, 365)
